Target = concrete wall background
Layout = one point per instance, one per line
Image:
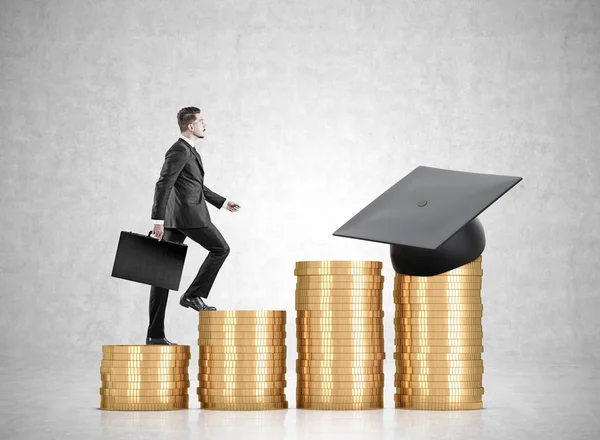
(313, 109)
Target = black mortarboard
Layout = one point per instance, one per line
(424, 210)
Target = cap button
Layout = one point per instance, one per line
(422, 203)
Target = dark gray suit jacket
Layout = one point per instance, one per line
(180, 195)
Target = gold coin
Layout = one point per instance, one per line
(144, 371)
(242, 385)
(228, 349)
(145, 357)
(418, 292)
(440, 392)
(147, 400)
(241, 314)
(144, 364)
(340, 392)
(339, 370)
(434, 357)
(305, 271)
(340, 293)
(437, 322)
(438, 300)
(340, 357)
(244, 406)
(339, 300)
(439, 349)
(330, 314)
(145, 385)
(144, 393)
(144, 406)
(242, 357)
(257, 377)
(468, 269)
(439, 328)
(338, 307)
(271, 363)
(258, 321)
(325, 377)
(108, 377)
(339, 263)
(338, 349)
(340, 406)
(341, 278)
(438, 314)
(210, 371)
(474, 342)
(239, 343)
(435, 399)
(449, 384)
(437, 377)
(327, 285)
(358, 322)
(240, 392)
(339, 399)
(358, 342)
(473, 277)
(440, 406)
(325, 335)
(440, 364)
(241, 335)
(440, 307)
(347, 385)
(306, 328)
(240, 328)
(236, 399)
(423, 371)
(146, 349)
(339, 364)
(449, 335)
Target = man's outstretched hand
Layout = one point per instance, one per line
(158, 231)
(232, 206)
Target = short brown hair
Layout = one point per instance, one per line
(186, 116)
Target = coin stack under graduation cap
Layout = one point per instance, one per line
(242, 361)
(339, 330)
(144, 377)
(439, 340)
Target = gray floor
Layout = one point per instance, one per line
(522, 401)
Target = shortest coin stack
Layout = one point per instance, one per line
(242, 360)
(144, 377)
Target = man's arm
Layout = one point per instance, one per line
(213, 198)
(175, 160)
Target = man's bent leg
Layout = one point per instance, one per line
(210, 239)
(159, 295)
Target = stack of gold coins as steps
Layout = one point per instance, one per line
(242, 361)
(439, 340)
(339, 329)
(144, 377)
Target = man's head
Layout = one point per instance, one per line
(190, 122)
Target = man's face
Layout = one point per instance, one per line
(199, 126)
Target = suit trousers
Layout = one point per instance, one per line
(210, 239)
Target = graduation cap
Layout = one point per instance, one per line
(429, 218)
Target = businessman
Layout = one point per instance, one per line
(180, 211)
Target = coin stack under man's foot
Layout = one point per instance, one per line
(242, 360)
(439, 340)
(144, 377)
(339, 328)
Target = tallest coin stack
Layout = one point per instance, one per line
(439, 340)
(339, 330)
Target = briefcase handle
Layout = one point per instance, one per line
(166, 241)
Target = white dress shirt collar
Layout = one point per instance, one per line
(189, 141)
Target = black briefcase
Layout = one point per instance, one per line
(146, 260)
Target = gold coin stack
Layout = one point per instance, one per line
(339, 327)
(144, 377)
(242, 362)
(439, 340)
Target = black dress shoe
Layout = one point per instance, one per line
(158, 341)
(195, 303)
